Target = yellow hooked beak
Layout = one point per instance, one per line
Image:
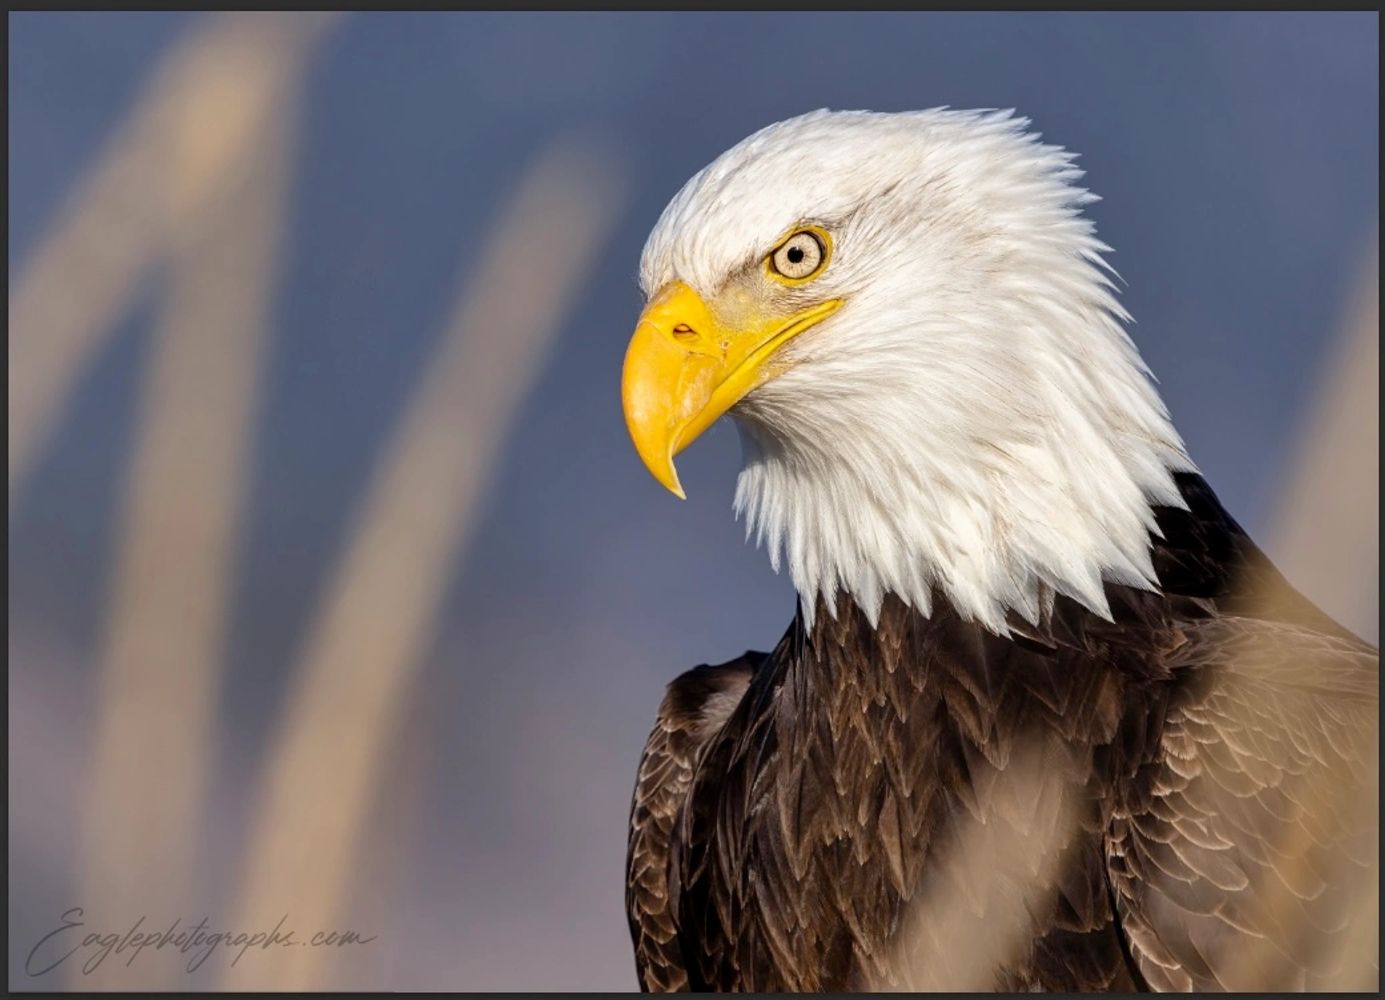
(683, 369)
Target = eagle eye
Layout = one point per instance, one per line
(800, 257)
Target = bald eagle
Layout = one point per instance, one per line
(1023, 615)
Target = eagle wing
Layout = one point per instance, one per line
(695, 707)
(1243, 849)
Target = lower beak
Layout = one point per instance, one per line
(683, 369)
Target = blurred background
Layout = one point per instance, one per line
(336, 591)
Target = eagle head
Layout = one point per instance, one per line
(911, 323)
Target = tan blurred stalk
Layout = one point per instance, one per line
(1326, 540)
(70, 294)
(1326, 535)
(219, 165)
(975, 913)
(378, 617)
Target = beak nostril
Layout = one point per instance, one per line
(684, 333)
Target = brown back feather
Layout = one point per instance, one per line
(806, 840)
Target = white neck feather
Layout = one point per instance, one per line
(975, 419)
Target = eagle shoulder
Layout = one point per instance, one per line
(1243, 848)
(696, 705)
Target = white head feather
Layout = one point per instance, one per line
(975, 418)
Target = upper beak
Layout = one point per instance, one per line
(683, 369)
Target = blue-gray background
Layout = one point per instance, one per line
(1237, 158)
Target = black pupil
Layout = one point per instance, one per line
(795, 255)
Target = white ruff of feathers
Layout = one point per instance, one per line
(975, 418)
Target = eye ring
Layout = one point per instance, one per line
(799, 257)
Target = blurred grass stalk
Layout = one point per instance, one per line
(379, 615)
(202, 173)
(193, 126)
(1326, 539)
(975, 912)
(1326, 534)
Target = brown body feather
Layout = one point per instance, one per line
(1181, 798)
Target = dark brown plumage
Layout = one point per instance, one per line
(1183, 798)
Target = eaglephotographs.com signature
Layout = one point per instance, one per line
(198, 942)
